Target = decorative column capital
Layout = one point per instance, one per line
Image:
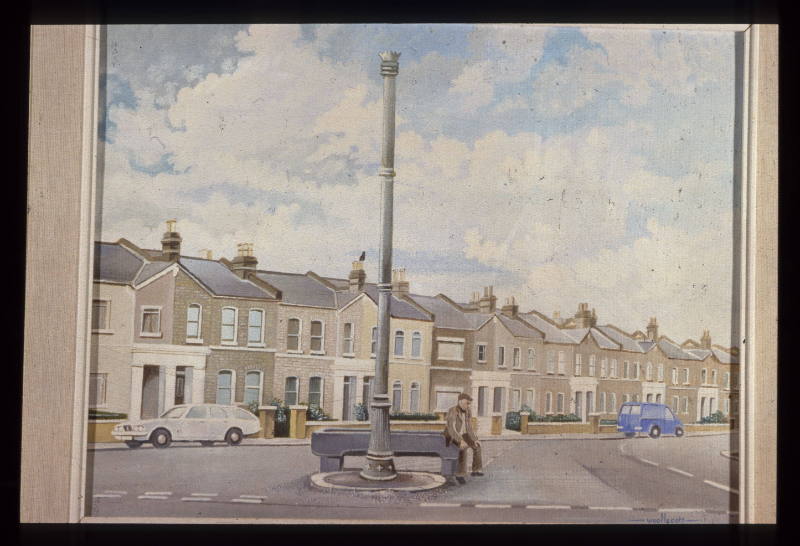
(389, 63)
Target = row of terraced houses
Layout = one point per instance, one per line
(170, 329)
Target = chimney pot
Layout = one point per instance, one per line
(245, 262)
(171, 242)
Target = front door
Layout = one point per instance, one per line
(579, 405)
(348, 397)
(150, 384)
(180, 385)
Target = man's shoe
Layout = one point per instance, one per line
(461, 480)
(477, 473)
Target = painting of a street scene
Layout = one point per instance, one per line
(416, 274)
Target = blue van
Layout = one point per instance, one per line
(651, 419)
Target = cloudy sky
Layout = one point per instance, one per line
(561, 165)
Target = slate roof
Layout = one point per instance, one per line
(220, 280)
(627, 342)
(115, 263)
(340, 284)
(673, 350)
(518, 328)
(300, 289)
(552, 334)
(603, 340)
(724, 356)
(397, 308)
(150, 269)
(445, 314)
(701, 354)
(646, 345)
(577, 334)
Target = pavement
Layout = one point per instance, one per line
(598, 480)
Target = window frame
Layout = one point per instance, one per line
(321, 390)
(480, 346)
(416, 336)
(260, 388)
(561, 363)
(560, 403)
(531, 359)
(603, 367)
(262, 327)
(413, 389)
(106, 327)
(199, 337)
(104, 377)
(592, 365)
(320, 337)
(516, 358)
(501, 356)
(402, 339)
(146, 309)
(373, 344)
(222, 340)
(397, 396)
(296, 391)
(578, 366)
(614, 371)
(348, 341)
(232, 388)
(551, 363)
(298, 335)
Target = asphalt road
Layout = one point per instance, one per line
(669, 480)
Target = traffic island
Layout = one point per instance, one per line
(352, 481)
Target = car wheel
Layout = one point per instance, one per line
(161, 438)
(133, 444)
(678, 432)
(234, 437)
(655, 432)
(206, 443)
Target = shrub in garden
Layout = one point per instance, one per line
(315, 413)
(100, 415)
(513, 420)
(716, 417)
(281, 418)
(361, 412)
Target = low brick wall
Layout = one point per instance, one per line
(100, 431)
(714, 427)
(608, 428)
(560, 428)
(312, 426)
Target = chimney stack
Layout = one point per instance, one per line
(244, 263)
(357, 277)
(705, 341)
(585, 318)
(652, 329)
(488, 303)
(399, 282)
(511, 308)
(171, 242)
(207, 254)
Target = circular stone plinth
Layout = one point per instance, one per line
(352, 481)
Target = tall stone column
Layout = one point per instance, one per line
(137, 376)
(380, 462)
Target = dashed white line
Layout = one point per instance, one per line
(249, 501)
(610, 508)
(646, 461)
(196, 499)
(721, 486)
(204, 494)
(492, 506)
(158, 492)
(110, 491)
(681, 510)
(261, 497)
(440, 504)
(106, 496)
(152, 497)
(679, 471)
(549, 506)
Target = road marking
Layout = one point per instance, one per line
(610, 508)
(646, 461)
(681, 510)
(262, 497)
(679, 471)
(152, 497)
(492, 506)
(116, 492)
(197, 499)
(720, 486)
(205, 494)
(250, 501)
(440, 504)
(548, 506)
(106, 496)
(158, 492)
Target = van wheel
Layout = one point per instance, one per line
(161, 438)
(655, 432)
(679, 432)
(234, 437)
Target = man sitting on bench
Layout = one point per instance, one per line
(459, 431)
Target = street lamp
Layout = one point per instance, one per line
(380, 463)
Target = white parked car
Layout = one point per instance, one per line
(204, 423)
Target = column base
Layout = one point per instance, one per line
(379, 468)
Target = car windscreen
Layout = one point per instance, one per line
(636, 410)
(174, 413)
(197, 412)
(625, 410)
(668, 414)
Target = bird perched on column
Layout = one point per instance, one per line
(363, 256)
